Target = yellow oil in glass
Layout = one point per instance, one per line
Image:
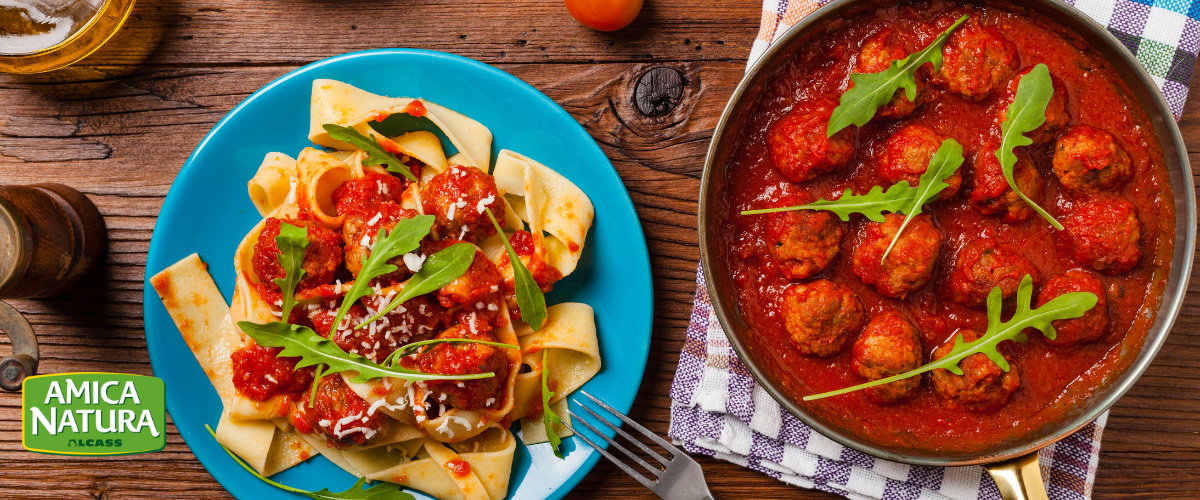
(44, 35)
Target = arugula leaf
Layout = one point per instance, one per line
(376, 154)
(382, 491)
(872, 205)
(291, 241)
(530, 299)
(1066, 306)
(942, 165)
(899, 197)
(549, 418)
(873, 90)
(314, 350)
(1026, 113)
(438, 271)
(395, 356)
(405, 237)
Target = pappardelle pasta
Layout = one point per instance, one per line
(388, 312)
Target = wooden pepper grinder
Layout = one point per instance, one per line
(51, 238)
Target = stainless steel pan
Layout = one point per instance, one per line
(1014, 463)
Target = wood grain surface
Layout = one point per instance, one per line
(119, 125)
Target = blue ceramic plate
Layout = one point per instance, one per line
(208, 211)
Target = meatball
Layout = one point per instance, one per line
(259, 374)
(1086, 328)
(877, 54)
(909, 265)
(479, 284)
(1056, 110)
(533, 256)
(803, 242)
(459, 198)
(991, 193)
(361, 229)
(321, 258)
(821, 316)
(982, 266)
(1104, 235)
(363, 194)
(983, 386)
(331, 411)
(888, 346)
(417, 319)
(1088, 160)
(462, 358)
(977, 60)
(800, 148)
(906, 157)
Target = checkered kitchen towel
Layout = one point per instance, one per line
(718, 409)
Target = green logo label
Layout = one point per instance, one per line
(93, 414)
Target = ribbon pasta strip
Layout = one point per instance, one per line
(424, 441)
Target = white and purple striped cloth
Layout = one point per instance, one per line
(718, 410)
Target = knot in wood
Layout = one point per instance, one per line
(658, 91)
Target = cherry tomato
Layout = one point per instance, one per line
(604, 15)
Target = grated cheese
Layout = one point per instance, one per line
(414, 263)
(482, 205)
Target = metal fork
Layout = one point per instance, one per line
(676, 478)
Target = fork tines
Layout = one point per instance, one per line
(666, 472)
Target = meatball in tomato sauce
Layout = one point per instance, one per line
(803, 242)
(417, 319)
(341, 415)
(888, 346)
(533, 255)
(981, 266)
(460, 198)
(1076, 331)
(321, 258)
(821, 316)
(259, 374)
(906, 157)
(1104, 234)
(877, 54)
(1088, 160)
(463, 358)
(909, 265)
(1057, 116)
(363, 194)
(977, 60)
(361, 230)
(800, 147)
(991, 193)
(475, 288)
(983, 386)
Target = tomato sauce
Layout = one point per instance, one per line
(1052, 381)
(259, 374)
(458, 467)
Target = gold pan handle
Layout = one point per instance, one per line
(1019, 478)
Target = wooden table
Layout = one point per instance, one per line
(119, 126)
